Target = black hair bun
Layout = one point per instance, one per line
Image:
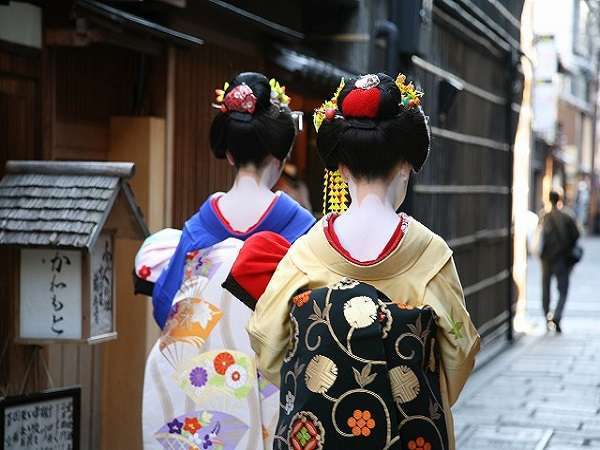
(372, 131)
(251, 137)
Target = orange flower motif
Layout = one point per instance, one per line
(192, 425)
(419, 444)
(361, 422)
(301, 299)
(404, 306)
(222, 362)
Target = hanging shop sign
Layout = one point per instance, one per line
(64, 217)
(68, 294)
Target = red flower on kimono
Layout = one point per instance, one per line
(144, 272)
(191, 425)
(222, 362)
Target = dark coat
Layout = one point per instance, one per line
(560, 234)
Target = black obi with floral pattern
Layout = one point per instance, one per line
(361, 372)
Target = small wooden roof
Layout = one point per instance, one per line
(67, 204)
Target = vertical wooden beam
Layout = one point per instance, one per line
(142, 141)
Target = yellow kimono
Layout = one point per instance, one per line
(419, 272)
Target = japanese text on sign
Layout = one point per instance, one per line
(102, 287)
(47, 425)
(50, 294)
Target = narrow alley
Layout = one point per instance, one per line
(544, 393)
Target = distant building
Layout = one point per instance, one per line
(566, 45)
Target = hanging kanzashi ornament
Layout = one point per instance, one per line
(335, 192)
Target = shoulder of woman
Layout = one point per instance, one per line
(433, 250)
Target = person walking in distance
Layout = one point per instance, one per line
(560, 235)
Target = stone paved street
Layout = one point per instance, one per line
(544, 392)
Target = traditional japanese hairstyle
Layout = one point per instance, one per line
(254, 120)
(370, 125)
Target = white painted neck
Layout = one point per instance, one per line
(248, 199)
(367, 226)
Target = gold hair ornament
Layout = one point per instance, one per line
(278, 96)
(411, 98)
(335, 189)
(335, 192)
(329, 108)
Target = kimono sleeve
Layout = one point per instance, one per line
(152, 258)
(269, 325)
(457, 336)
(255, 265)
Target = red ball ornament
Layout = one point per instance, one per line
(362, 103)
(330, 113)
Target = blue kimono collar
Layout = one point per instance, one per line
(206, 228)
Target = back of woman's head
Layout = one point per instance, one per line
(373, 128)
(252, 123)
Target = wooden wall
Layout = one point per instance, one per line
(86, 86)
(20, 137)
(196, 172)
(142, 141)
(464, 190)
(78, 90)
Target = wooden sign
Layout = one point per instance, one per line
(50, 292)
(42, 421)
(101, 287)
(67, 295)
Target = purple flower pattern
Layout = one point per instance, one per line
(198, 376)
(175, 426)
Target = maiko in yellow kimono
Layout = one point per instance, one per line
(327, 327)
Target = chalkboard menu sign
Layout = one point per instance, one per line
(41, 421)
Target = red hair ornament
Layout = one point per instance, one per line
(240, 99)
(364, 100)
(361, 103)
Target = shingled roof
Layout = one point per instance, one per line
(66, 204)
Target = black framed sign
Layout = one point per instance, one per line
(46, 420)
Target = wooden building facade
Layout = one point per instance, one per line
(134, 81)
(465, 191)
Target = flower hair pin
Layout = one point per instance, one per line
(411, 98)
(242, 99)
(278, 96)
(239, 99)
(219, 97)
(328, 110)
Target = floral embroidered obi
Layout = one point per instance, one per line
(361, 372)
